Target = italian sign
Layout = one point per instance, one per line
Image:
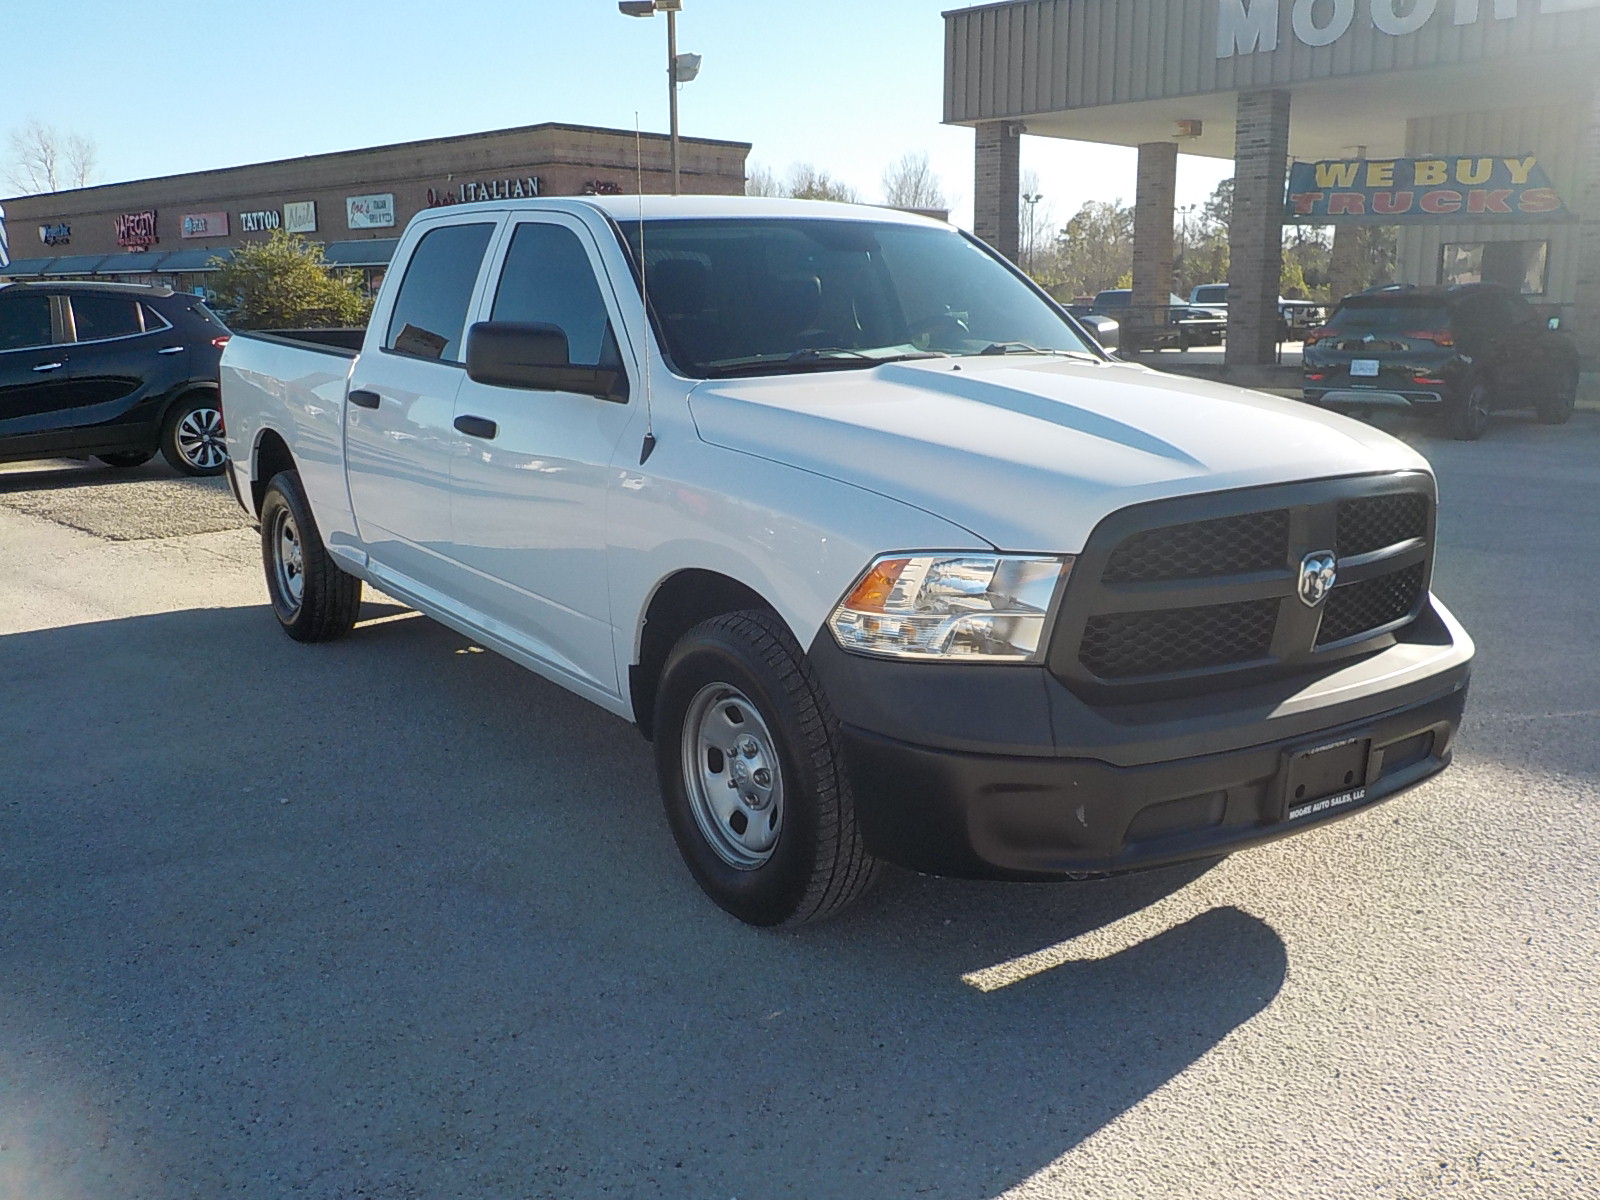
(1414, 191)
(369, 212)
(211, 224)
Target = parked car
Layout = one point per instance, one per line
(1179, 324)
(113, 370)
(888, 560)
(1296, 317)
(1462, 351)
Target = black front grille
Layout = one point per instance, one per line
(1370, 605)
(1256, 541)
(1374, 522)
(1127, 645)
(1197, 593)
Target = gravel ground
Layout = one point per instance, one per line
(393, 918)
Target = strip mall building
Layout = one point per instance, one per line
(1473, 125)
(170, 230)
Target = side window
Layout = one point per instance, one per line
(548, 280)
(1518, 313)
(24, 321)
(97, 317)
(430, 313)
(154, 322)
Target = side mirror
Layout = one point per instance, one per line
(1553, 324)
(534, 357)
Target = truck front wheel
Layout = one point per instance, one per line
(312, 598)
(753, 777)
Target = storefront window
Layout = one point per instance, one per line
(1522, 266)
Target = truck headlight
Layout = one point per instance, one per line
(990, 607)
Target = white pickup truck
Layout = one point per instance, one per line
(888, 559)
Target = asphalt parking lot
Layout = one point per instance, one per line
(393, 919)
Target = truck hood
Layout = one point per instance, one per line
(1030, 453)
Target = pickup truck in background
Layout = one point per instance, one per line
(888, 558)
(1295, 317)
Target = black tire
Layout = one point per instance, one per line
(313, 599)
(1469, 413)
(131, 458)
(741, 677)
(192, 437)
(1557, 409)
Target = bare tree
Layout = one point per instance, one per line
(760, 181)
(43, 160)
(1030, 221)
(911, 183)
(807, 182)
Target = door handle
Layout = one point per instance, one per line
(170, 350)
(478, 427)
(49, 366)
(365, 399)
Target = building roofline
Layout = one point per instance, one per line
(368, 150)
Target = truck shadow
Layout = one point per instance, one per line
(394, 917)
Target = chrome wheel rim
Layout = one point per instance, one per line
(288, 562)
(732, 776)
(202, 440)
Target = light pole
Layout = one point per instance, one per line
(681, 68)
(1031, 199)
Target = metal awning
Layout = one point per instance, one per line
(19, 267)
(194, 260)
(133, 264)
(74, 264)
(374, 252)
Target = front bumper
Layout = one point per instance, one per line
(1001, 772)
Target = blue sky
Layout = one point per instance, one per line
(184, 85)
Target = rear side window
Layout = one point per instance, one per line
(24, 321)
(548, 280)
(1388, 317)
(430, 313)
(99, 317)
(1216, 293)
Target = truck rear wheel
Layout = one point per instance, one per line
(312, 598)
(752, 775)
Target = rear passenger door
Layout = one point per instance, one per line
(531, 483)
(122, 353)
(401, 401)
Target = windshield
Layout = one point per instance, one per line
(1388, 315)
(755, 296)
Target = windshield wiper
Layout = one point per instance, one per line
(1024, 348)
(808, 359)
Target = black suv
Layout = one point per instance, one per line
(1462, 351)
(113, 370)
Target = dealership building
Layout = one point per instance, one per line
(1471, 125)
(173, 229)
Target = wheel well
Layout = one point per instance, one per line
(680, 603)
(272, 456)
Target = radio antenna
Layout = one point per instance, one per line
(644, 296)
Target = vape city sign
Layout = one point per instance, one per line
(137, 230)
(1249, 26)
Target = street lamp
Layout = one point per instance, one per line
(1031, 199)
(681, 68)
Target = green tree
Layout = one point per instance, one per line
(283, 283)
(1092, 252)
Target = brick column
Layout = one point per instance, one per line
(1255, 234)
(1152, 241)
(1584, 324)
(997, 189)
(1348, 267)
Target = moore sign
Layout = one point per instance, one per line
(1248, 26)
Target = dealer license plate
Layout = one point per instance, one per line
(1367, 367)
(1326, 777)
